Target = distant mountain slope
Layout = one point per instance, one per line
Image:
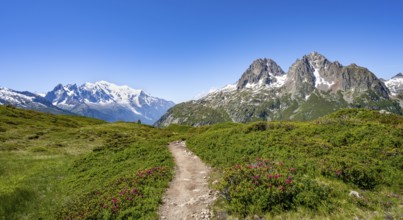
(108, 102)
(312, 87)
(27, 100)
(395, 84)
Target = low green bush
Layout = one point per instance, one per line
(352, 149)
(136, 196)
(264, 186)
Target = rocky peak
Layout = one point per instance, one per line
(309, 73)
(314, 56)
(72, 86)
(395, 84)
(398, 76)
(316, 60)
(260, 72)
(314, 71)
(300, 79)
(58, 87)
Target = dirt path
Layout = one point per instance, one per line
(188, 195)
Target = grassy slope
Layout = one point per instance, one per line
(50, 164)
(348, 150)
(68, 167)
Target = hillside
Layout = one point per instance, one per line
(344, 165)
(312, 87)
(62, 167)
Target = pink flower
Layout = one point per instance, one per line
(288, 181)
(114, 201)
(282, 188)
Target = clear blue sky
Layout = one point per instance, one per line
(177, 49)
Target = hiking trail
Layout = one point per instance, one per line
(188, 196)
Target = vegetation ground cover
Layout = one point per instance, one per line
(344, 165)
(65, 167)
(349, 150)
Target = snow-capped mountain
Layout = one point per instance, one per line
(312, 87)
(109, 102)
(28, 100)
(395, 84)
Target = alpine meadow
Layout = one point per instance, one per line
(201, 110)
(346, 164)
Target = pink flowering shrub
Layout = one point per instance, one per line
(265, 186)
(365, 177)
(129, 195)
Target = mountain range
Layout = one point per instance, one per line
(109, 102)
(102, 100)
(28, 100)
(312, 87)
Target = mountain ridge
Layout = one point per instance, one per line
(312, 87)
(395, 84)
(28, 100)
(108, 101)
(102, 100)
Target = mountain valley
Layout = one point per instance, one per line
(321, 141)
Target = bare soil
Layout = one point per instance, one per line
(188, 196)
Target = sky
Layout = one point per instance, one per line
(179, 49)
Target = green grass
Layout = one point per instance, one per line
(50, 164)
(67, 167)
(351, 149)
(192, 114)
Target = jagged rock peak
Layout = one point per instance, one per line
(260, 72)
(316, 60)
(395, 84)
(315, 56)
(398, 76)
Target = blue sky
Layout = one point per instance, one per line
(177, 49)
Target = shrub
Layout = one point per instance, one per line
(126, 194)
(264, 186)
(365, 177)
